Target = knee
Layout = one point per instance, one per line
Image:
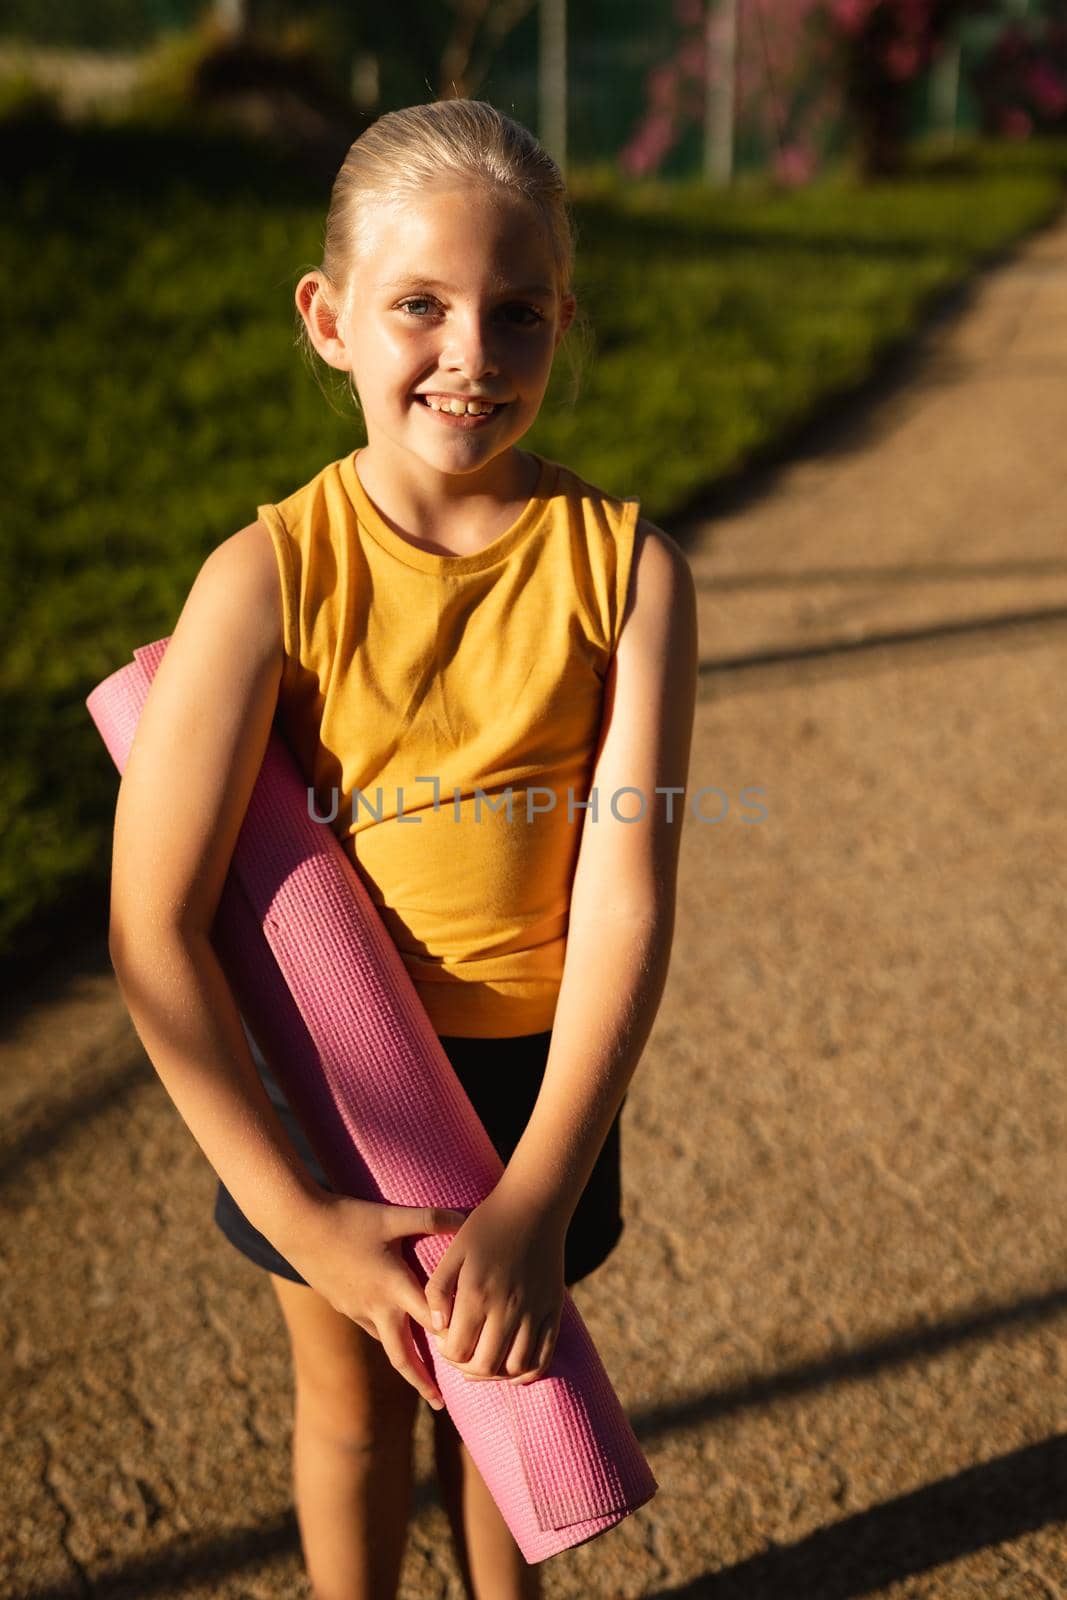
(347, 1391)
(353, 1410)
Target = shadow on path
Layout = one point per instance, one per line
(983, 1506)
(830, 649)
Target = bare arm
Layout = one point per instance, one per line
(196, 754)
(623, 897)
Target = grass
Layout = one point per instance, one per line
(155, 395)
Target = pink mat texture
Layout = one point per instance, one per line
(337, 1017)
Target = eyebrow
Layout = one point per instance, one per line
(416, 282)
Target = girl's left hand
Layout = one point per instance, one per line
(499, 1288)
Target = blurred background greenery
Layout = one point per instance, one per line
(166, 172)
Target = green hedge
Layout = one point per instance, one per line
(155, 395)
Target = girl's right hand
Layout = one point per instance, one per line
(352, 1257)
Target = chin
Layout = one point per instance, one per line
(463, 453)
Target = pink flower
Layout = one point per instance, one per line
(649, 145)
(794, 165)
(662, 87)
(1047, 89)
(850, 15)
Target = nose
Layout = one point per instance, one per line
(470, 347)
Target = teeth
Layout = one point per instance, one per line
(472, 408)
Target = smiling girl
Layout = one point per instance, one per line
(491, 664)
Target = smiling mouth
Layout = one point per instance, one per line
(446, 405)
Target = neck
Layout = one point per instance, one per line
(427, 504)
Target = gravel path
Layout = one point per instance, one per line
(837, 1317)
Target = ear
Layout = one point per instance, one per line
(320, 321)
(567, 307)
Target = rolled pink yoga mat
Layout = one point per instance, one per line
(337, 1017)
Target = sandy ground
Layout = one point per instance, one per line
(839, 1328)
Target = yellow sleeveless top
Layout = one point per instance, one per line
(420, 690)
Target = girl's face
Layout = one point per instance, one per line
(454, 297)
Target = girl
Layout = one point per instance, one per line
(462, 635)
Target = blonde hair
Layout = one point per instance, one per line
(431, 145)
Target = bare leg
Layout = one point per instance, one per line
(491, 1563)
(352, 1438)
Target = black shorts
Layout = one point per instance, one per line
(502, 1078)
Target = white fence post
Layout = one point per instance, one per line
(721, 51)
(945, 90)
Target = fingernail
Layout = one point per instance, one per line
(437, 1404)
(438, 1319)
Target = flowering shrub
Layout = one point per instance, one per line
(802, 66)
(1022, 83)
(779, 88)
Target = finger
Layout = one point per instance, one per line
(487, 1357)
(544, 1351)
(402, 1220)
(548, 1342)
(460, 1339)
(439, 1290)
(409, 1295)
(400, 1348)
(432, 1389)
(523, 1349)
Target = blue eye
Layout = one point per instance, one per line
(529, 311)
